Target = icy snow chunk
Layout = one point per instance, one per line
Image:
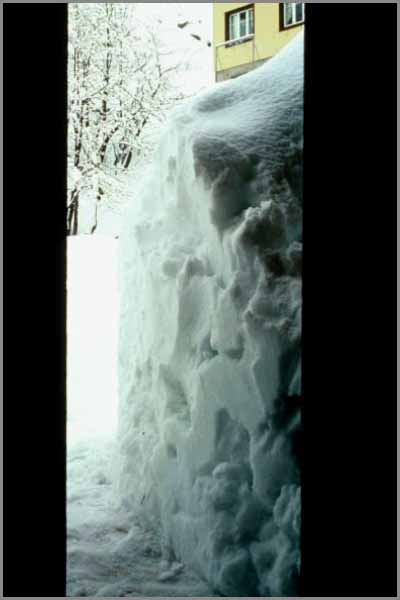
(171, 572)
(210, 335)
(287, 510)
(226, 336)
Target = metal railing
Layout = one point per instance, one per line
(238, 40)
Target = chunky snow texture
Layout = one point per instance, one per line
(210, 334)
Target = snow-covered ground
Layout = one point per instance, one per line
(109, 552)
(92, 335)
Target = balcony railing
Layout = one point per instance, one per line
(240, 40)
(229, 43)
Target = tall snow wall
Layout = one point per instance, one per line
(210, 334)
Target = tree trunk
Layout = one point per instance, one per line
(72, 214)
(100, 193)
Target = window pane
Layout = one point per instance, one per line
(288, 13)
(242, 24)
(299, 12)
(251, 21)
(233, 26)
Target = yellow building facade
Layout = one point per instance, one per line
(246, 35)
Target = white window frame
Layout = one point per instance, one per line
(236, 15)
(293, 9)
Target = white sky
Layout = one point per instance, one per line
(179, 41)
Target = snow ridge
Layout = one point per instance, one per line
(210, 334)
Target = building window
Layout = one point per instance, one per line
(240, 24)
(293, 13)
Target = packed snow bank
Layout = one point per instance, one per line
(210, 334)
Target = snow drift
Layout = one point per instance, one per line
(210, 334)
